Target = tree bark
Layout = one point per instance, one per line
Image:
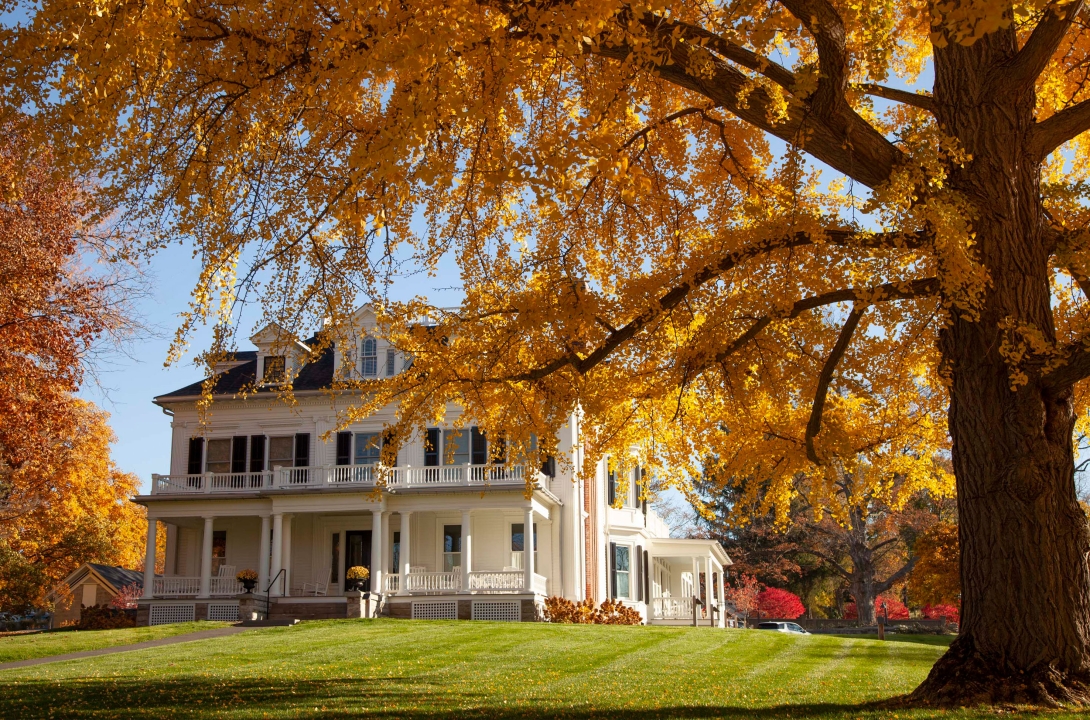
(1025, 615)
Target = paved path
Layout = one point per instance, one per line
(188, 637)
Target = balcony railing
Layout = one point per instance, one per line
(480, 581)
(328, 476)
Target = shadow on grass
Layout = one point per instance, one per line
(344, 697)
(932, 640)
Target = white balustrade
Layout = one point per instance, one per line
(170, 586)
(341, 476)
(392, 582)
(225, 586)
(433, 582)
(672, 608)
(497, 580)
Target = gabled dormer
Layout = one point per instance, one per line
(364, 353)
(280, 354)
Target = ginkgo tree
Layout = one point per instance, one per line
(631, 191)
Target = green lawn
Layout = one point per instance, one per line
(430, 670)
(25, 647)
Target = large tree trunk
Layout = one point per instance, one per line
(1025, 616)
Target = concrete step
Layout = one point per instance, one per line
(272, 622)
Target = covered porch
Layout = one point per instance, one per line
(686, 582)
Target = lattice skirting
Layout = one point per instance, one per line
(162, 614)
(223, 611)
(446, 610)
(504, 611)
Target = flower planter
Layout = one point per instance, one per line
(249, 585)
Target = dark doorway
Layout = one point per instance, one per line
(357, 551)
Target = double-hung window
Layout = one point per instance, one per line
(282, 451)
(369, 358)
(368, 448)
(518, 544)
(218, 457)
(456, 446)
(273, 369)
(391, 358)
(622, 572)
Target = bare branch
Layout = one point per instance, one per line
(923, 102)
(896, 577)
(1022, 71)
(813, 427)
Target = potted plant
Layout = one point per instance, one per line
(355, 577)
(248, 578)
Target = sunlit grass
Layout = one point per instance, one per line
(418, 669)
(58, 642)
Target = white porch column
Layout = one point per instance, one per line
(467, 547)
(149, 560)
(377, 535)
(286, 555)
(528, 549)
(696, 577)
(263, 555)
(277, 550)
(206, 560)
(404, 552)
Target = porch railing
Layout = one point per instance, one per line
(168, 586)
(433, 582)
(318, 476)
(480, 581)
(672, 608)
(497, 581)
(391, 582)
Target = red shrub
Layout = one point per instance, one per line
(934, 612)
(777, 603)
(895, 608)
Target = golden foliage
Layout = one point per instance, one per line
(936, 579)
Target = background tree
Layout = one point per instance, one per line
(84, 515)
(743, 595)
(936, 579)
(604, 176)
(779, 603)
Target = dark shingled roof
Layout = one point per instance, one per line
(119, 577)
(314, 376)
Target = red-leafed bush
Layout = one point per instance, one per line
(778, 603)
(934, 612)
(895, 609)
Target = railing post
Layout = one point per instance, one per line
(154, 483)
(208, 482)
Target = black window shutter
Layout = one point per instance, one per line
(548, 468)
(646, 577)
(431, 448)
(302, 449)
(643, 485)
(613, 570)
(196, 456)
(344, 448)
(611, 488)
(637, 571)
(257, 453)
(238, 454)
(478, 446)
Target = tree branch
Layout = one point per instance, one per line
(1075, 368)
(896, 577)
(836, 566)
(1024, 68)
(923, 102)
(1054, 131)
(822, 21)
(813, 427)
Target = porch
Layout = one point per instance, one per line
(686, 583)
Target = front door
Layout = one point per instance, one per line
(357, 551)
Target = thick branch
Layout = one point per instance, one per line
(836, 566)
(923, 102)
(1022, 71)
(822, 21)
(1076, 367)
(813, 427)
(896, 577)
(1059, 128)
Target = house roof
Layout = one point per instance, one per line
(313, 376)
(114, 577)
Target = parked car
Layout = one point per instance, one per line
(785, 627)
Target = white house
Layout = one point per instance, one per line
(445, 537)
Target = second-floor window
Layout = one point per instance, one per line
(368, 448)
(369, 358)
(282, 451)
(391, 358)
(218, 458)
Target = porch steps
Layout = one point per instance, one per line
(273, 622)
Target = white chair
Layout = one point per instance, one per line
(227, 571)
(319, 587)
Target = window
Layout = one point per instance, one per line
(273, 369)
(368, 448)
(281, 451)
(518, 546)
(196, 455)
(397, 552)
(219, 550)
(218, 459)
(344, 448)
(257, 453)
(452, 547)
(456, 447)
(391, 358)
(622, 569)
(369, 358)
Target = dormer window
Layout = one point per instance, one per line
(273, 368)
(369, 358)
(391, 357)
